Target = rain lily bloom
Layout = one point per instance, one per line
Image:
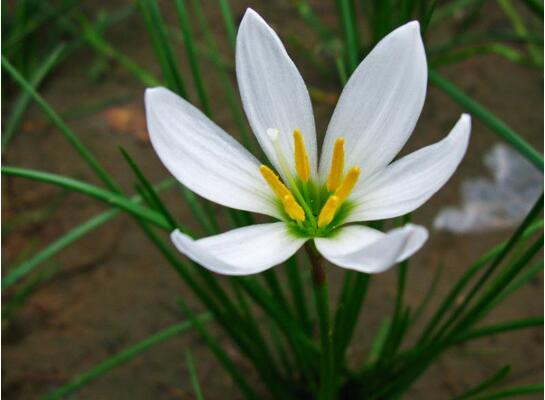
(325, 201)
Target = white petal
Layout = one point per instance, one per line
(273, 93)
(380, 104)
(204, 157)
(410, 181)
(242, 251)
(368, 250)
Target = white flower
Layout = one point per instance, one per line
(355, 179)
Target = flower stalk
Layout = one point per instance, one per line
(327, 387)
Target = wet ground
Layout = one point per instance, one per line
(113, 288)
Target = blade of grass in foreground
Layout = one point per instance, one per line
(227, 85)
(513, 241)
(27, 266)
(487, 118)
(510, 326)
(91, 190)
(124, 356)
(222, 356)
(160, 41)
(191, 54)
(57, 120)
(512, 392)
(490, 381)
(193, 376)
(228, 21)
(22, 102)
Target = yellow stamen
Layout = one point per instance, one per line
(348, 183)
(301, 156)
(274, 182)
(337, 165)
(293, 209)
(328, 211)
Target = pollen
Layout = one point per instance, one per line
(348, 183)
(274, 182)
(301, 157)
(341, 194)
(328, 211)
(337, 165)
(293, 209)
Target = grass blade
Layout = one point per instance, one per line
(490, 381)
(14, 120)
(57, 120)
(228, 22)
(221, 355)
(193, 375)
(513, 392)
(509, 326)
(487, 118)
(161, 44)
(27, 266)
(124, 356)
(191, 55)
(110, 198)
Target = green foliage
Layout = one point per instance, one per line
(295, 352)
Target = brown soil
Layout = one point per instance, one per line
(113, 288)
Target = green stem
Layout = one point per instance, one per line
(327, 367)
(487, 118)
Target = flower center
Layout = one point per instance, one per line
(311, 207)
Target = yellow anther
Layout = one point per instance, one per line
(328, 211)
(337, 165)
(301, 156)
(293, 209)
(348, 183)
(341, 194)
(274, 182)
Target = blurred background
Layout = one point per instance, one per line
(92, 60)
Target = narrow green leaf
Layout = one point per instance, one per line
(94, 39)
(228, 22)
(124, 356)
(57, 120)
(157, 30)
(229, 91)
(488, 382)
(509, 326)
(298, 293)
(513, 392)
(149, 189)
(191, 54)
(513, 240)
(495, 289)
(27, 266)
(14, 120)
(347, 17)
(193, 376)
(487, 118)
(221, 355)
(110, 198)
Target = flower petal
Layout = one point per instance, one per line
(380, 104)
(410, 181)
(273, 93)
(242, 251)
(367, 250)
(203, 156)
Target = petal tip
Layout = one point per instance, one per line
(250, 15)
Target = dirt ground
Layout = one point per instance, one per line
(113, 288)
